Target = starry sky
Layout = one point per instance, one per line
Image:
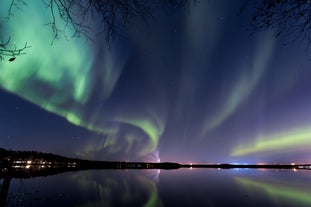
(194, 85)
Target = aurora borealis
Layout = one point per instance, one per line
(194, 85)
(279, 191)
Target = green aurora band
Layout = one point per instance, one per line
(82, 82)
(291, 140)
(246, 84)
(61, 77)
(279, 191)
(110, 187)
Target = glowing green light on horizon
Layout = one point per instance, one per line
(298, 196)
(151, 129)
(295, 139)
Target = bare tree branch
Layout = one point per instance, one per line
(7, 49)
(286, 17)
(15, 4)
(13, 51)
(112, 16)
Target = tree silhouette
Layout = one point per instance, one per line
(112, 16)
(286, 17)
(6, 49)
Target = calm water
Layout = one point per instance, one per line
(186, 187)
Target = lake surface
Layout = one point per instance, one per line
(151, 188)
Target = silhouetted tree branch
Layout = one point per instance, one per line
(6, 48)
(287, 17)
(112, 16)
(15, 4)
(11, 51)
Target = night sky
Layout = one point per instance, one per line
(192, 86)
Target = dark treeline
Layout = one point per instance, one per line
(5, 154)
(16, 161)
(38, 161)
